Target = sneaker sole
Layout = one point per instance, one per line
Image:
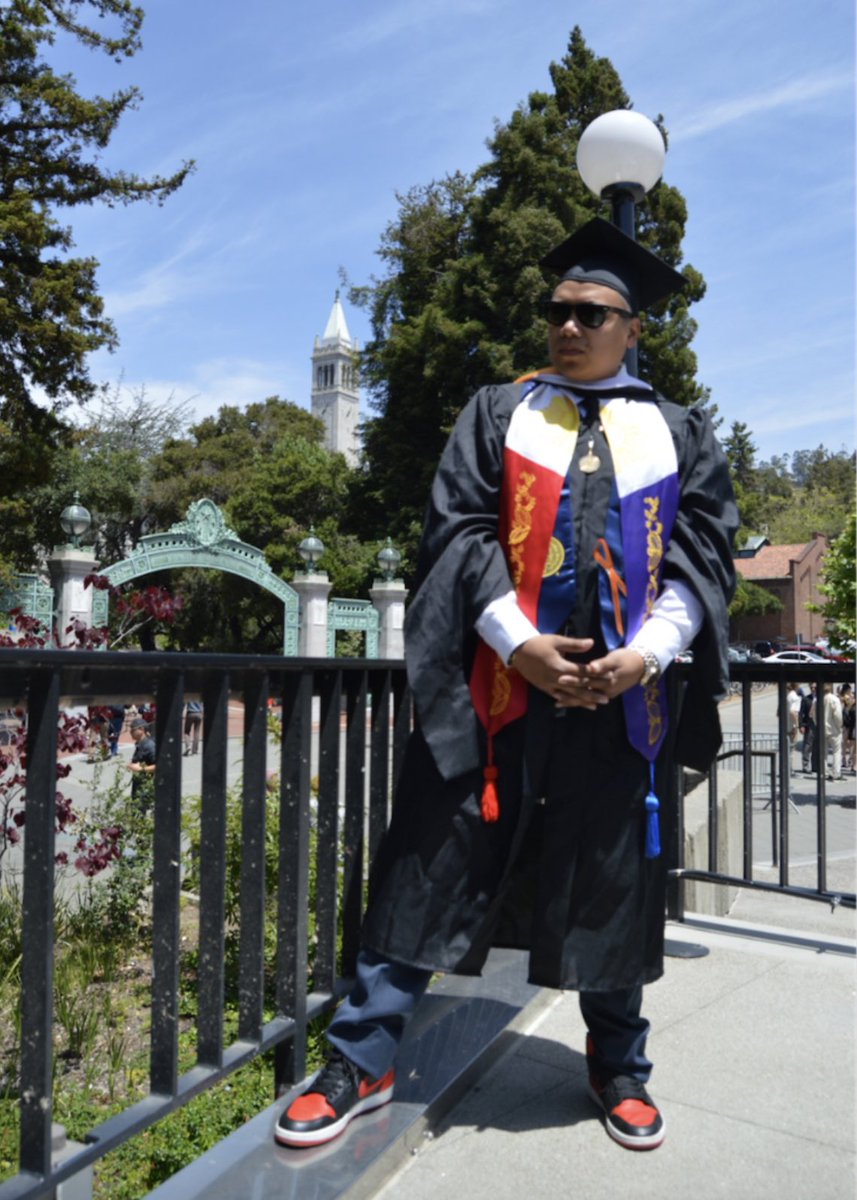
(649, 1142)
(318, 1137)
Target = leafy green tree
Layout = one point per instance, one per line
(751, 599)
(820, 468)
(459, 304)
(51, 140)
(108, 461)
(219, 453)
(804, 514)
(790, 503)
(267, 469)
(838, 588)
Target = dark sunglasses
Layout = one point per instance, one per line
(590, 316)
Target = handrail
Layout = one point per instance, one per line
(352, 718)
(363, 706)
(776, 675)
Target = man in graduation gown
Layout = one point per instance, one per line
(578, 537)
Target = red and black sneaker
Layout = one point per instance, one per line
(339, 1092)
(631, 1117)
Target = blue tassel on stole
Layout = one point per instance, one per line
(653, 831)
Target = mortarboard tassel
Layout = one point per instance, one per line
(653, 832)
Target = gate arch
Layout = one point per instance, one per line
(204, 540)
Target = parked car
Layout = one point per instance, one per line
(742, 654)
(796, 656)
(822, 650)
(763, 649)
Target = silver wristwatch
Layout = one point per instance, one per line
(651, 668)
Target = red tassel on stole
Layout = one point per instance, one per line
(490, 799)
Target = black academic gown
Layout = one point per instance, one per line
(563, 871)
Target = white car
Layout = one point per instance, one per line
(796, 656)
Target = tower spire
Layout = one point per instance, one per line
(335, 392)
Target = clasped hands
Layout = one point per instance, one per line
(545, 662)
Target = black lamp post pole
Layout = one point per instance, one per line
(624, 198)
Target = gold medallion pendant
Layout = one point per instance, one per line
(590, 462)
(555, 558)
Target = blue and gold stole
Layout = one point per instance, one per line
(535, 529)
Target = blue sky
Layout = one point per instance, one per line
(305, 119)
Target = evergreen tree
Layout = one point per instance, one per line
(459, 305)
(741, 455)
(51, 315)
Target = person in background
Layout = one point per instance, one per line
(809, 748)
(846, 695)
(192, 726)
(117, 720)
(832, 717)
(793, 699)
(144, 757)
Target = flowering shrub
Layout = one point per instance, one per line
(96, 849)
(134, 610)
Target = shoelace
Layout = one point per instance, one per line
(337, 1074)
(624, 1087)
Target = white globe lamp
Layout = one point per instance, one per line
(621, 150)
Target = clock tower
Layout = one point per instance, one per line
(335, 395)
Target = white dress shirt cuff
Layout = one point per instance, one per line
(504, 627)
(675, 621)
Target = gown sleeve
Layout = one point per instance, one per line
(461, 568)
(700, 555)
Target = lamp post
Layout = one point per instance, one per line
(313, 588)
(388, 595)
(68, 567)
(75, 521)
(388, 560)
(311, 549)
(620, 157)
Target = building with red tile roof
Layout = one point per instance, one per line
(792, 574)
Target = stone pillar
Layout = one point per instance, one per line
(313, 591)
(68, 567)
(388, 597)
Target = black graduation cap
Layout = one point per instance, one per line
(598, 252)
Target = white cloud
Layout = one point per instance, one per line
(217, 382)
(797, 93)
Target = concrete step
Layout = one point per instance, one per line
(461, 1027)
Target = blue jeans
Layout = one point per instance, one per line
(369, 1024)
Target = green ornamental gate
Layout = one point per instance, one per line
(353, 614)
(204, 540)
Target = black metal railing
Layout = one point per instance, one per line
(748, 677)
(349, 720)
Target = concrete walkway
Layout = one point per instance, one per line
(754, 1053)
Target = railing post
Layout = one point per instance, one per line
(379, 760)
(293, 898)
(327, 845)
(37, 955)
(353, 856)
(212, 875)
(166, 885)
(251, 970)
